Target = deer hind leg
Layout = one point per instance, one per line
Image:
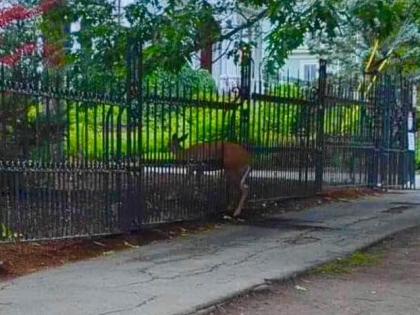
(244, 192)
(195, 174)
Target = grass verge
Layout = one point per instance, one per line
(348, 264)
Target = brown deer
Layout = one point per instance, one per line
(234, 157)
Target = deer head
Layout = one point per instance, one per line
(175, 142)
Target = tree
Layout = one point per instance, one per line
(20, 53)
(173, 31)
(373, 34)
(20, 28)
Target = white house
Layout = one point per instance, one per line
(300, 64)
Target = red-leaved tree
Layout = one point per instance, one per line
(23, 135)
(20, 14)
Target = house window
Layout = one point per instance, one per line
(206, 58)
(309, 72)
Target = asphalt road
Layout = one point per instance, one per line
(190, 273)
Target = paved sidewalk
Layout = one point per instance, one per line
(385, 281)
(183, 275)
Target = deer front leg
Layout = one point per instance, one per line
(244, 192)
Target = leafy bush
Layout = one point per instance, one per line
(188, 77)
(96, 131)
(103, 130)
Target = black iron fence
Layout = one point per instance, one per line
(78, 163)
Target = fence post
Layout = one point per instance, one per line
(414, 130)
(319, 151)
(134, 88)
(409, 134)
(246, 74)
(384, 138)
(139, 110)
(245, 94)
(132, 210)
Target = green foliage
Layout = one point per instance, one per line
(187, 77)
(88, 136)
(269, 125)
(395, 24)
(290, 26)
(97, 131)
(105, 131)
(31, 113)
(272, 124)
(7, 234)
(171, 32)
(288, 90)
(343, 120)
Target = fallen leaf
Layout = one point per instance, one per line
(299, 288)
(130, 245)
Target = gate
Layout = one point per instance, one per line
(354, 132)
(396, 136)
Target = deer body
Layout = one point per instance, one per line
(235, 161)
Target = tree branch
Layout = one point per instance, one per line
(243, 26)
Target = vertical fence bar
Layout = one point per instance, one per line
(245, 95)
(319, 163)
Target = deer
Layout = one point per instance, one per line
(236, 161)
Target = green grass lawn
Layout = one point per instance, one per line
(98, 131)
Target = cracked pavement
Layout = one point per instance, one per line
(184, 275)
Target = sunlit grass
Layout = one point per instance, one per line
(348, 264)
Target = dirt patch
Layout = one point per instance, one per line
(17, 259)
(297, 204)
(382, 280)
(350, 193)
